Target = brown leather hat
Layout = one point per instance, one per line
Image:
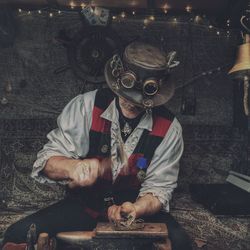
(141, 75)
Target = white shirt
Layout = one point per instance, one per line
(71, 139)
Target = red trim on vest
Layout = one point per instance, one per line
(98, 123)
(160, 126)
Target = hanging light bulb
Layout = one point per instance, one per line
(59, 12)
(133, 12)
(210, 26)
(151, 18)
(8, 87)
(123, 14)
(218, 33)
(50, 14)
(72, 5)
(4, 101)
(114, 17)
(197, 19)
(188, 8)
(166, 7)
(29, 12)
(19, 10)
(146, 21)
(39, 11)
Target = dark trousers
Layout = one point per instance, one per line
(69, 215)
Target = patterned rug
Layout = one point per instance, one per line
(210, 152)
(208, 231)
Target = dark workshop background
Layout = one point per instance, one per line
(207, 103)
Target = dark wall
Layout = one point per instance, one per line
(212, 145)
(36, 54)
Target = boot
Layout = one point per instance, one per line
(13, 246)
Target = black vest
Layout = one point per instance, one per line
(126, 187)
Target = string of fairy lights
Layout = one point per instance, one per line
(147, 20)
(164, 14)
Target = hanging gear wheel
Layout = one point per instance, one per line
(89, 50)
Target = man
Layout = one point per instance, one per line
(117, 151)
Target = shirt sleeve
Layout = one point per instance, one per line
(70, 138)
(162, 173)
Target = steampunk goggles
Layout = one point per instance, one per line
(146, 81)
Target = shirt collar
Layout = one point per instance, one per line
(111, 114)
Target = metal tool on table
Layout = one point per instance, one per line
(128, 223)
(31, 237)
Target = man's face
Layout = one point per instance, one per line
(128, 106)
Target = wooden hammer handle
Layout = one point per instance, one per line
(43, 241)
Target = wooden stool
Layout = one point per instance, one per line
(152, 236)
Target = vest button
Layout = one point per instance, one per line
(104, 148)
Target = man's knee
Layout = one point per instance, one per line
(16, 233)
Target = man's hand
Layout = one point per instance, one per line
(85, 173)
(79, 172)
(145, 205)
(118, 213)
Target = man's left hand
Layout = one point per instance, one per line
(118, 213)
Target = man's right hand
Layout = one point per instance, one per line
(84, 173)
(79, 173)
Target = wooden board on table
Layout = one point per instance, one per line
(150, 230)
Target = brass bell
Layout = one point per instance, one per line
(242, 65)
(241, 70)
